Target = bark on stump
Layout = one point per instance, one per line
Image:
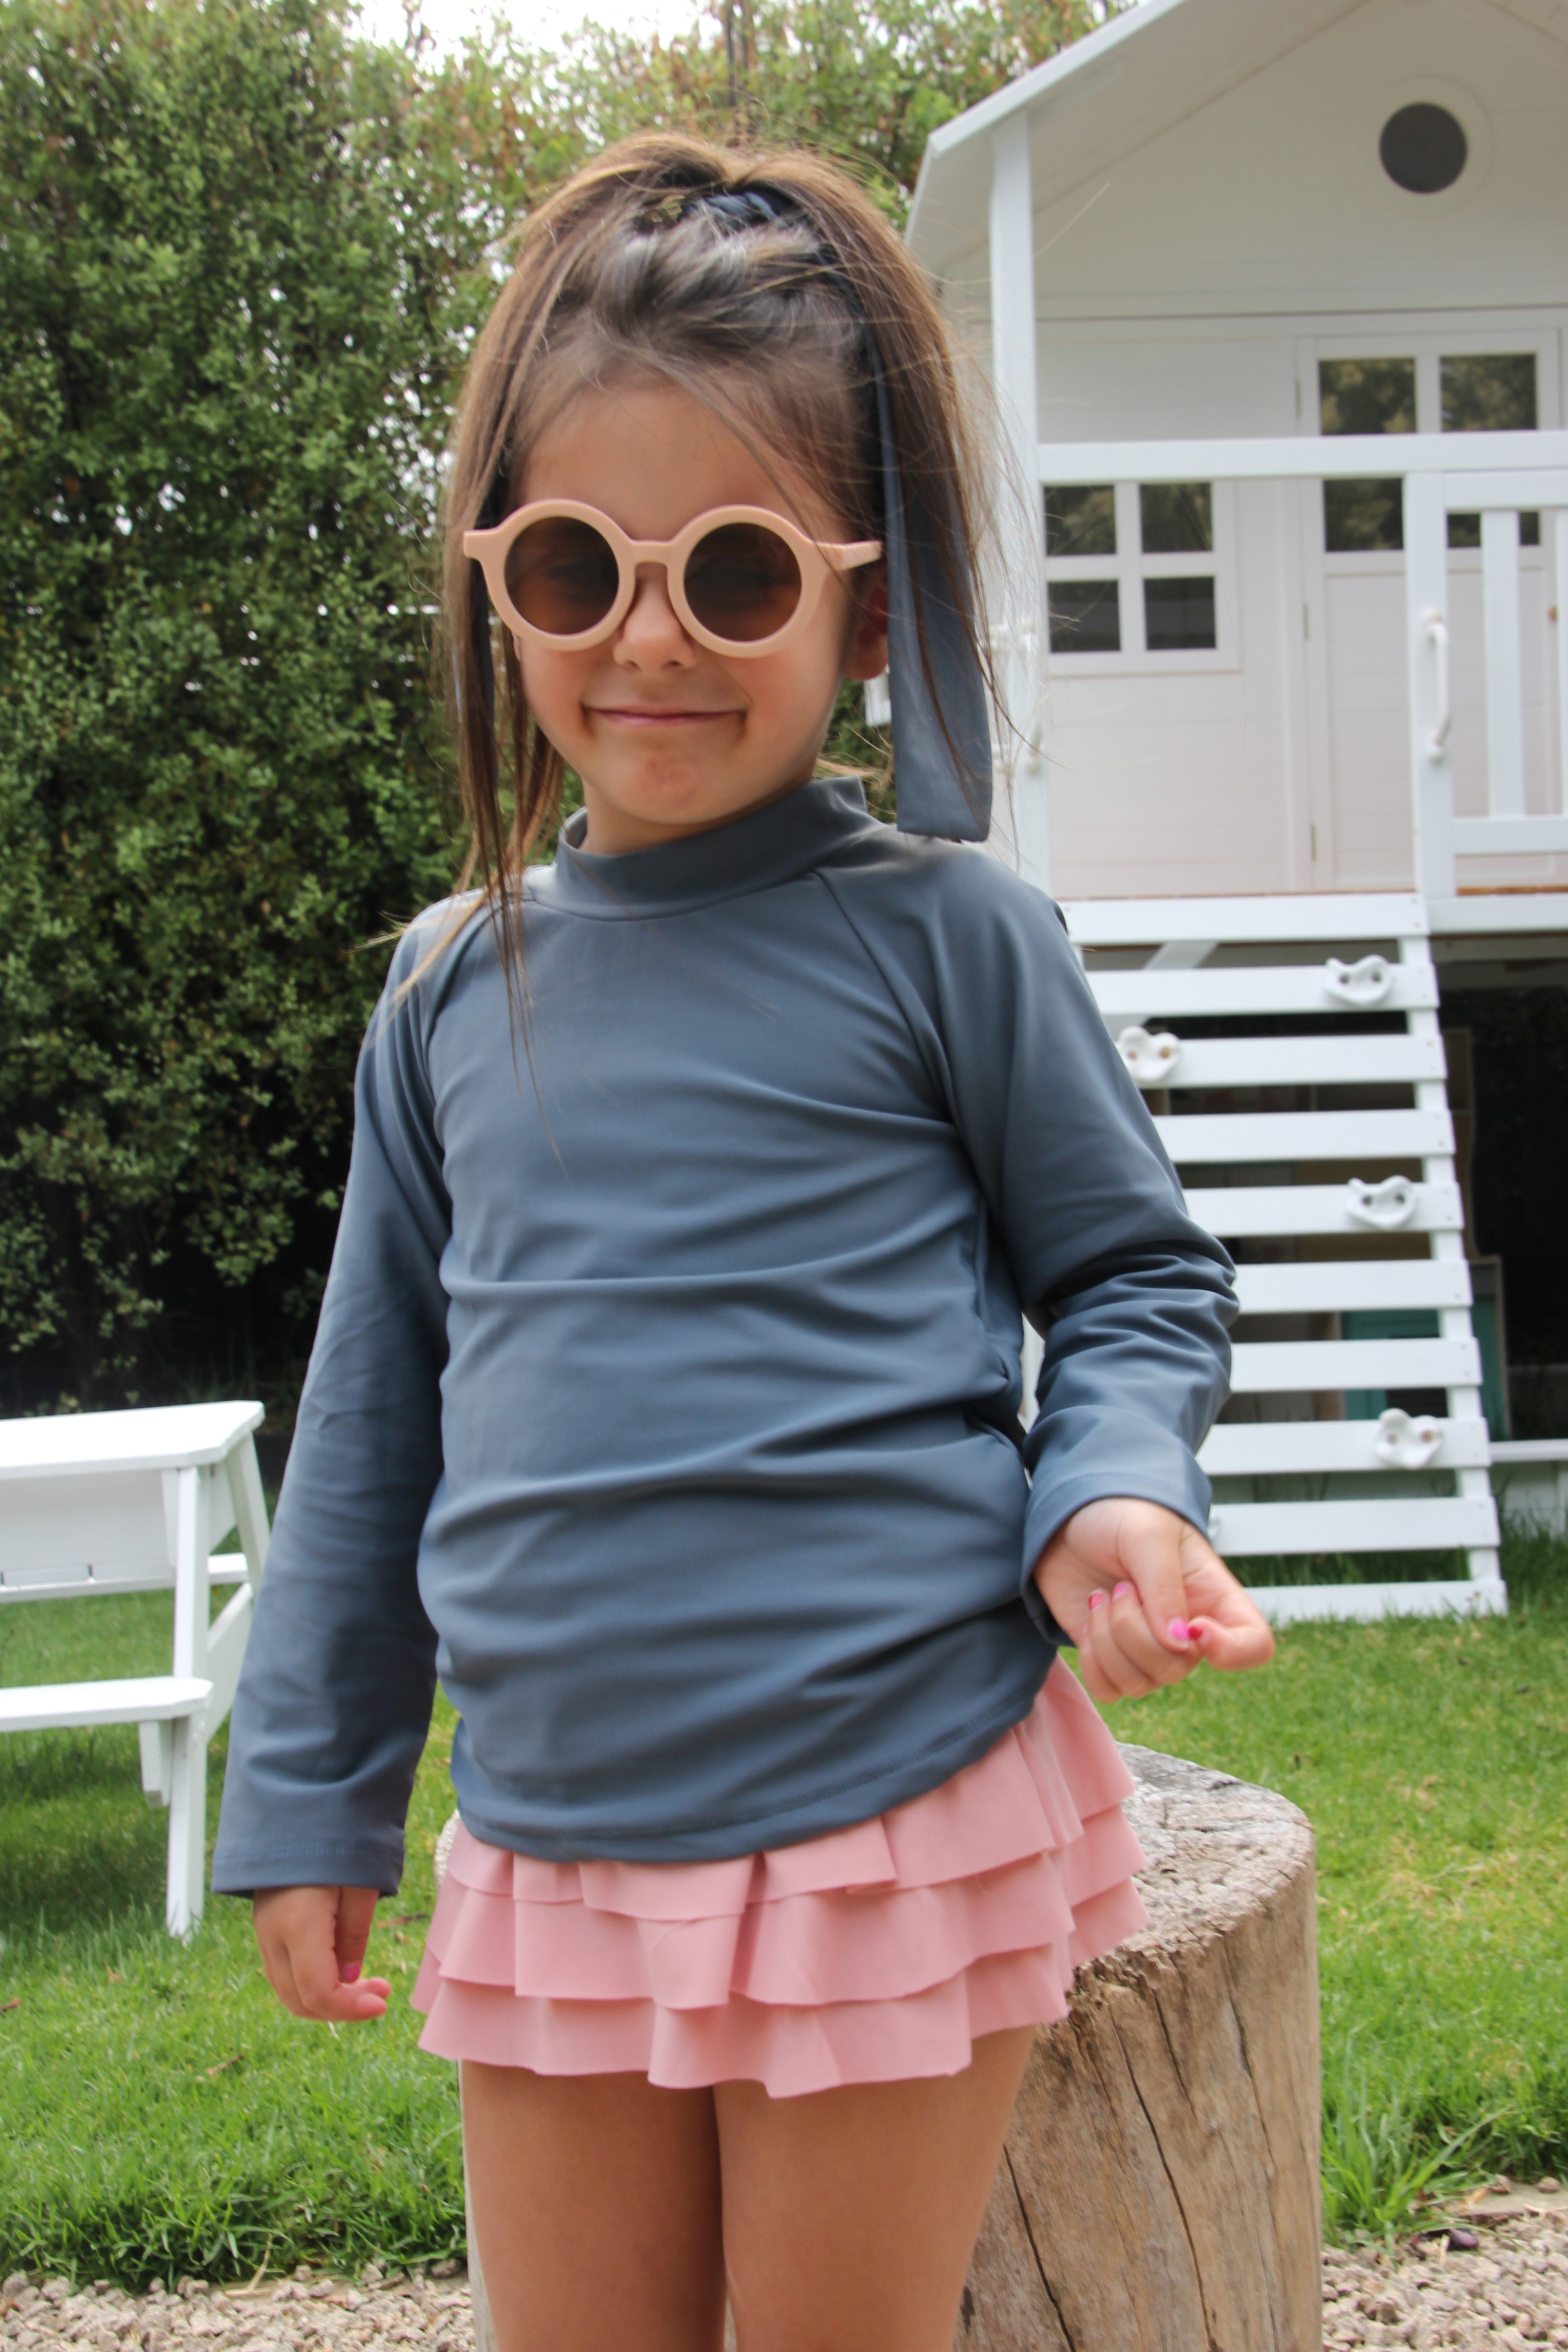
(1158, 2190)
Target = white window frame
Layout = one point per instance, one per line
(1428, 337)
(1428, 346)
(1130, 567)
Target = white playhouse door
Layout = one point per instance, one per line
(1456, 380)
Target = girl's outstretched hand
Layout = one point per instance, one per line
(313, 1942)
(1146, 1599)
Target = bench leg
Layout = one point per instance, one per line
(157, 1744)
(187, 1826)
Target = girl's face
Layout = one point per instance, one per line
(668, 738)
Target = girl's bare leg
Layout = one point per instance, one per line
(596, 2206)
(850, 2215)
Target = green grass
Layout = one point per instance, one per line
(163, 2114)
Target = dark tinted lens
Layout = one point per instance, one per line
(743, 581)
(561, 575)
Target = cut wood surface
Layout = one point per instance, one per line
(1158, 2191)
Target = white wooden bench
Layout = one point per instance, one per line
(1531, 1476)
(133, 1502)
(1361, 1208)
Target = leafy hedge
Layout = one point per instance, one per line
(241, 256)
(229, 296)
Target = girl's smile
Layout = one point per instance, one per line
(669, 736)
(628, 714)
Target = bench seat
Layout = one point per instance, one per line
(65, 1707)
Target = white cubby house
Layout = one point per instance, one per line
(1273, 296)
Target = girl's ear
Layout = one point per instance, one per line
(866, 654)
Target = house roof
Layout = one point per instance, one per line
(1148, 68)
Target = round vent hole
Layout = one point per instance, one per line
(1424, 149)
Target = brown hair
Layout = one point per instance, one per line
(624, 273)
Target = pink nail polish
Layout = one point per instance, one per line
(1121, 1589)
(1097, 1600)
(349, 1972)
(1180, 1630)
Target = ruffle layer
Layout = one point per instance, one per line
(876, 1953)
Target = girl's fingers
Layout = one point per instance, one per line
(1128, 1661)
(1235, 1634)
(324, 1995)
(356, 1916)
(1147, 1550)
(280, 1977)
(1233, 1648)
(1155, 1655)
(1173, 1603)
(1096, 1658)
(297, 1929)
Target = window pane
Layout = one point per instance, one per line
(1361, 515)
(1081, 519)
(1177, 517)
(1178, 616)
(1085, 617)
(1366, 396)
(1490, 392)
(1465, 531)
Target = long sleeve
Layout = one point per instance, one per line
(1133, 1299)
(334, 1698)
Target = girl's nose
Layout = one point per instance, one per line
(651, 635)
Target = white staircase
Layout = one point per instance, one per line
(1334, 1212)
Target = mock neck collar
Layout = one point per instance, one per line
(752, 853)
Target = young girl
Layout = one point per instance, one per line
(666, 1398)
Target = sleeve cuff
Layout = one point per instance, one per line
(356, 1862)
(1045, 1625)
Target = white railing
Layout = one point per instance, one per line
(1497, 474)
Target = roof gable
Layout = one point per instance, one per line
(1148, 69)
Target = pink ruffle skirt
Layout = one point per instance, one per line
(872, 1954)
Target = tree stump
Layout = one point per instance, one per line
(1159, 2188)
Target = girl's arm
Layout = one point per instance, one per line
(334, 1697)
(1133, 1299)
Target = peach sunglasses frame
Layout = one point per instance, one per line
(817, 561)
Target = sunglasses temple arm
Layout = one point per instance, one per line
(859, 552)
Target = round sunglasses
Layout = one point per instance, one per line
(742, 581)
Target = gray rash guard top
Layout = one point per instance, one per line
(665, 1398)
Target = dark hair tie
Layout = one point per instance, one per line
(738, 208)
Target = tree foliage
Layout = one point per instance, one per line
(242, 254)
(231, 283)
(864, 83)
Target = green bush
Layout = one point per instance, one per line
(232, 289)
(243, 256)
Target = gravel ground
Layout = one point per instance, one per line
(1510, 2292)
(431, 2312)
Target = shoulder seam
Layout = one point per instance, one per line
(938, 1077)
